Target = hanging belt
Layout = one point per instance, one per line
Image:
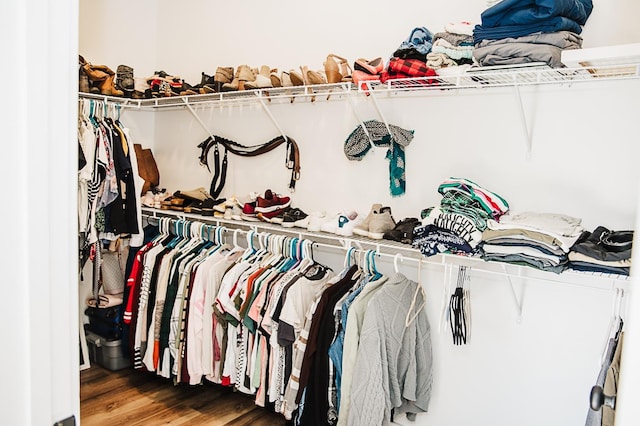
(292, 161)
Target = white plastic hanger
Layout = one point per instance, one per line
(419, 290)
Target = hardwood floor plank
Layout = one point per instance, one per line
(138, 398)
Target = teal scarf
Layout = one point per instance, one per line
(358, 144)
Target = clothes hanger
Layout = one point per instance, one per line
(373, 271)
(348, 256)
(419, 291)
(396, 258)
(458, 311)
(615, 322)
(250, 250)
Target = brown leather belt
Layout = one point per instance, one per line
(292, 160)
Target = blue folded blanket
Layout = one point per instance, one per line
(516, 18)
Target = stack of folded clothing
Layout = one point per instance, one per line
(539, 240)
(524, 31)
(452, 47)
(409, 59)
(456, 225)
(602, 250)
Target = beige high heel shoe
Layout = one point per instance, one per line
(337, 69)
(297, 78)
(274, 75)
(313, 77)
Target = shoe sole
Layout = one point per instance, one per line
(300, 223)
(361, 232)
(273, 208)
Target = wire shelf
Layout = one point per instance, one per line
(472, 78)
(481, 77)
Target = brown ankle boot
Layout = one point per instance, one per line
(83, 82)
(108, 88)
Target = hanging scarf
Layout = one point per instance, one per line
(359, 143)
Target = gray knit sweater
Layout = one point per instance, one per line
(394, 363)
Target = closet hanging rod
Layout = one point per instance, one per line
(390, 248)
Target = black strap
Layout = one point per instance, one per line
(292, 159)
(220, 173)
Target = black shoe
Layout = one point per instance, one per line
(403, 231)
(293, 216)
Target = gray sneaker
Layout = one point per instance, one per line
(381, 221)
(363, 228)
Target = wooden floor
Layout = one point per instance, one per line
(130, 397)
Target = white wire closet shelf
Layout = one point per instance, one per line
(389, 249)
(470, 78)
(507, 76)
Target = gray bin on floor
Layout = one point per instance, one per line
(107, 353)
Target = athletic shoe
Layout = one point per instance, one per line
(236, 212)
(228, 213)
(381, 222)
(363, 228)
(346, 223)
(271, 202)
(148, 199)
(295, 217)
(249, 212)
(316, 219)
(275, 216)
(342, 223)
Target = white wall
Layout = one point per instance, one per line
(40, 329)
(581, 163)
(201, 35)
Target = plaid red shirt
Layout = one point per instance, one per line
(407, 68)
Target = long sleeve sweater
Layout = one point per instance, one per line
(394, 362)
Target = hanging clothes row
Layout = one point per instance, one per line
(272, 322)
(108, 182)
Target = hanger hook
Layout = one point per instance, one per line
(397, 257)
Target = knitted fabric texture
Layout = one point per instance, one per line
(359, 143)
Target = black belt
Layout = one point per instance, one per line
(292, 161)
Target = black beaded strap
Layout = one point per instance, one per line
(292, 160)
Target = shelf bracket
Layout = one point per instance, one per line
(198, 119)
(375, 103)
(518, 300)
(261, 97)
(523, 120)
(355, 112)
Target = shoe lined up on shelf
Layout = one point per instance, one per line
(100, 79)
(274, 208)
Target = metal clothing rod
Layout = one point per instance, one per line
(389, 249)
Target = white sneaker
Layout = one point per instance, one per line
(341, 224)
(347, 222)
(147, 199)
(228, 213)
(236, 212)
(315, 221)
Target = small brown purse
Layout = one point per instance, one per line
(147, 168)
